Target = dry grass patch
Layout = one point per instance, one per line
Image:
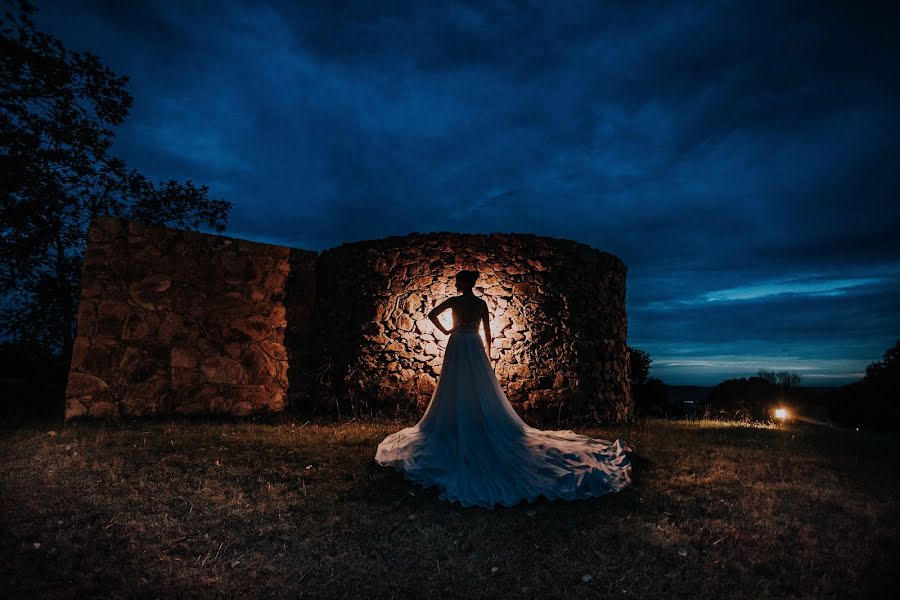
(212, 509)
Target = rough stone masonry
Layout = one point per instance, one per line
(182, 322)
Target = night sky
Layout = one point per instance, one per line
(743, 159)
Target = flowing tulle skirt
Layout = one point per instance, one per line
(474, 448)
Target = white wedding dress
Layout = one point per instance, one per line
(474, 448)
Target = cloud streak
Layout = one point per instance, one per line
(740, 158)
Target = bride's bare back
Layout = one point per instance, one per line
(468, 309)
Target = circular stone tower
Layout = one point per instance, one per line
(557, 318)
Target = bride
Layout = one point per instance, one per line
(472, 445)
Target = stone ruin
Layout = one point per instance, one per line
(183, 322)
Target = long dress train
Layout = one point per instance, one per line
(472, 445)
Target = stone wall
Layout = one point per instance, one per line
(557, 319)
(182, 322)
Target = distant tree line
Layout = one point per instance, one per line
(752, 398)
(871, 402)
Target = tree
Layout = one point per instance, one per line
(640, 366)
(873, 400)
(57, 113)
(782, 379)
(652, 398)
(887, 366)
(650, 393)
(744, 399)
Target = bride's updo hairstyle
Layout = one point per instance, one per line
(467, 278)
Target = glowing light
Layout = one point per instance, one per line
(446, 319)
(781, 414)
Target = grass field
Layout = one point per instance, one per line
(292, 509)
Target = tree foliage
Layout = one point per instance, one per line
(651, 398)
(781, 379)
(887, 369)
(650, 393)
(58, 109)
(640, 366)
(742, 399)
(874, 400)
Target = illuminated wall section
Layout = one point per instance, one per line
(557, 318)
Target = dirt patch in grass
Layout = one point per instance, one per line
(212, 509)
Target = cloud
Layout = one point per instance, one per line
(728, 148)
(827, 287)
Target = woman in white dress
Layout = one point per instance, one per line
(472, 445)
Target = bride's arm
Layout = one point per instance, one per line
(433, 315)
(486, 323)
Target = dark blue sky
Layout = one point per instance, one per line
(742, 158)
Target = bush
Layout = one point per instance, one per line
(874, 400)
(32, 383)
(651, 399)
(742, 399)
